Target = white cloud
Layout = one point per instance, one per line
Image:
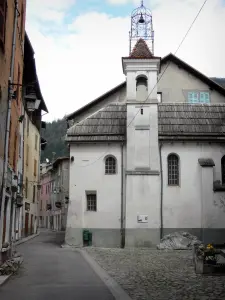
(85, 62)
(48, 10)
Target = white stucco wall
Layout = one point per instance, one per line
(175, 83)
(87, 173)
(193, 204)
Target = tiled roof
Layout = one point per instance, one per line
(196, 120)
(108, 124)
(141, 50)
(176, 121)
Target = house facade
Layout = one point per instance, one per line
(148, 157)
(33, 143)
(44, 216)
(12, 37)
(59, 193)
(54, 194)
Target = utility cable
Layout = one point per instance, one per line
(182, 41)
(185, 36)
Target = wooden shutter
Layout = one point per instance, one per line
(18, 82)
(22, 22)
(35, 167)
(2, 21)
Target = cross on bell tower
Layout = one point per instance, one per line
(142, 27)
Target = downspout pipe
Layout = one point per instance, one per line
(122, 199)
(161, 191)
(10, 89)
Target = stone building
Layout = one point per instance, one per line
(148, 157)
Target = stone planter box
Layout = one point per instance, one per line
(202, 267)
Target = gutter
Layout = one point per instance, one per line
(161, 191)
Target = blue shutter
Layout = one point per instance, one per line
(204, 97)
(193, 97)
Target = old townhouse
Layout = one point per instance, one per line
(54, 197)
(60, 192)
(147, 158)
(33, 142)
(44, 215)
(12, 35)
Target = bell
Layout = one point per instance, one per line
(141, 21)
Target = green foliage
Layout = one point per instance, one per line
(55, 136)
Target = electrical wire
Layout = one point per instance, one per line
(178, 48)
(87, 165)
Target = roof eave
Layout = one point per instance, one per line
(195, 72)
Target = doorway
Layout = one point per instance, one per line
(26, 224)
(31, 224)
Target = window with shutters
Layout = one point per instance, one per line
(26, 188)
(35, 167)
(173, 170)
(3, 8)
(15, 152)
(22, 23)
(18, 87)
(34, 193)
(36, 142)
(27, 156)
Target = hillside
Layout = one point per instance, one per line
(56, 131)
(54, 134)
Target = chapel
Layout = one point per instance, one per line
(147, 158)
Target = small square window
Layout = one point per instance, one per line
(91, 201)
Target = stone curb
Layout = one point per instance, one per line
(112, 285)
(24, 240)
(5, 278)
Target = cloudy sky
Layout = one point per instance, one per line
(79, 43)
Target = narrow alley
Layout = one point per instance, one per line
(52, 272)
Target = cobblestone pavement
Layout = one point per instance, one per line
(153, 274)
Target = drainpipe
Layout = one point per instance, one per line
(22, 210)
(161, 191)
(122, 200)
(6, 146)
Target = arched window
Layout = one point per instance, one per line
(173, 170)
(223, 169)
(142, 88)
(110, 165)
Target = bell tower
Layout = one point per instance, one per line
(141, 27)
(141, 68)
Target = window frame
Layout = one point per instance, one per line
(194, 100)
(110, 167)
(88, 205)
(169, 179)
(206, 101)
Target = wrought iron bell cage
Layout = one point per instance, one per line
(142, 27)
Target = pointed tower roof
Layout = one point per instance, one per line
(141, 50)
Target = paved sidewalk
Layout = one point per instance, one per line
(51, 272)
